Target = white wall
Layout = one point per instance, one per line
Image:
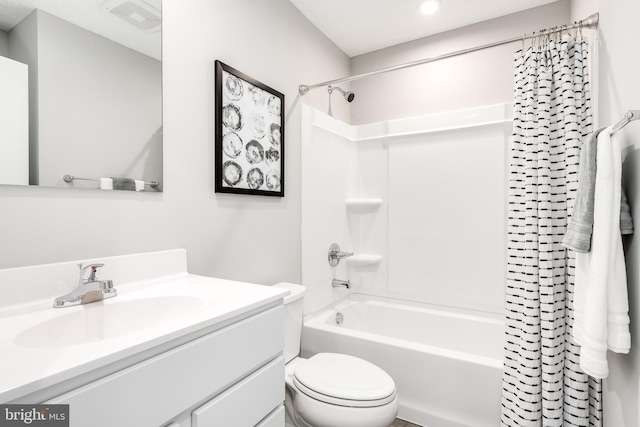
(619, 89)
(472, 80)
(249, 238)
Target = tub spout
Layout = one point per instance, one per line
(337, 283)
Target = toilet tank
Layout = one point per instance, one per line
(293, 319)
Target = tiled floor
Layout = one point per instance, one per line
(402, 423)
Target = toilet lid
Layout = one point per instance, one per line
(344, 380)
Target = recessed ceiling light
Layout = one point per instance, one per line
(429, 7)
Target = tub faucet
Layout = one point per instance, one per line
(335, 255)
(89, 289)
(336, 283)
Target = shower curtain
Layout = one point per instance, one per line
(542, 381)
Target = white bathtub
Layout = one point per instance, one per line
(447, 363)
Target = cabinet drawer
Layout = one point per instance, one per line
(247, 402)
(156, 390)
(275, 419)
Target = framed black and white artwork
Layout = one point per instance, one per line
(249, 140)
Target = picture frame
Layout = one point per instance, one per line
(249, 135)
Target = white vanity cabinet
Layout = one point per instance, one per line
(231, 377)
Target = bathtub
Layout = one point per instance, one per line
(447, 363)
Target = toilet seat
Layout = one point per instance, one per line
(343, 380)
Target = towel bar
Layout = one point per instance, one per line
(629, 116)
(70, 178)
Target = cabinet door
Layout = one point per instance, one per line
(247, 402)
(155, 391)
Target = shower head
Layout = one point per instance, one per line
(349, 96)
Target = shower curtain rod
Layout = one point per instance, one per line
(589, 22)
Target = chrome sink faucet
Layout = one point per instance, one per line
(89, 289)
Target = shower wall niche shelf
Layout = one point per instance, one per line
(363, 205)
(362, 260)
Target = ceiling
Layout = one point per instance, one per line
(91, 15)
(362, 26)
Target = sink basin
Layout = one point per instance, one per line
(46, 351)
(107, 319)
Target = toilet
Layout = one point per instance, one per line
(330, 389)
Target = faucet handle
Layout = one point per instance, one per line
(335, 255)
(93, 272)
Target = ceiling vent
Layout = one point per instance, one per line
(143, 14)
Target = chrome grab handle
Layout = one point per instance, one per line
(335, 255)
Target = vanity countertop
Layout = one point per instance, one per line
(41, 346)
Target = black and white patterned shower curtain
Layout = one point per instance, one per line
(542, 381)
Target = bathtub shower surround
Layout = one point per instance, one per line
(552, 114)
(421, 202)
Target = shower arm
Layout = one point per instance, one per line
(342, 91)
(589, 22)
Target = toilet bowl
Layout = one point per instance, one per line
(330, 389)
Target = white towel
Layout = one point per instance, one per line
(106, 184)
(139, 185)
(601, 307)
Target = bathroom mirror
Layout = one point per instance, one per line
(82, 93)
